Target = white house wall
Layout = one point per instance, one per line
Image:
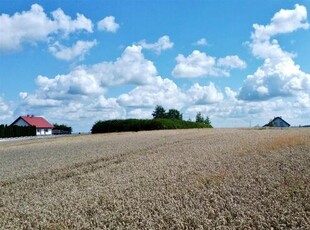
(42, 132)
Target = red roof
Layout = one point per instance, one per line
(38, 122)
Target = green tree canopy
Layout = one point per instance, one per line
(200, 118)
(159, 112)
(207, 121)
(174, 114)
(63, 127)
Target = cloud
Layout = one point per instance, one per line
(108, 24)
(233, 62)
(130, 68)
(140, 113)
(163, 91)
(199, 64)
(36, 101)
(201, 42)
(5, 110)
(163, 43)
(30, 27)
(78, 50)
(284, 21)
(302, 101)
(231, 95)
(202, 95)
(77, 83)
(65, 24)
(82, 90)
(52, 92)
(278, 75)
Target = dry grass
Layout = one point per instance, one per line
(177, 179)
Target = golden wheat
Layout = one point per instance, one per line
(177, 179)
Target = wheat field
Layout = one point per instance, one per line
(175, 179)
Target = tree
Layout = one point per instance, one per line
(174, 114)
(159, 112)
(66, 129)
(200, 118)
(207, 121)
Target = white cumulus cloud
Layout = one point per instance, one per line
(5, 110)
(108, 24)
(30, 27)
(162, 91)
(130, 68)
(199, 64)
(78, 82)
(284, 21)
(34, 100)
(233, 62)
(202, 95)
(65, 24)
(196, 64)
(78, 50)
(278, 75)
(163, 43)
(201, 42)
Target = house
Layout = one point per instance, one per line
(43, 126)
(277, 122)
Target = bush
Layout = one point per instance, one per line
(17, 131)
(143, 124)
(61, 129)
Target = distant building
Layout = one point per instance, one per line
(277, 122)
(43, 127)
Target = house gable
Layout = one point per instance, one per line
(20, 122)
(277, 122)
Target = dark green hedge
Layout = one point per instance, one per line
(16, 131)
(139, 125)
(61, 129)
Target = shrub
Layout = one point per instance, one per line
(16, 131)
(61, 129)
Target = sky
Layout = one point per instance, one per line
(76, 62)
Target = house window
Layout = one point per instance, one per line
(46, 130)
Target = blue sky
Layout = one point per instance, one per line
(76, 62)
